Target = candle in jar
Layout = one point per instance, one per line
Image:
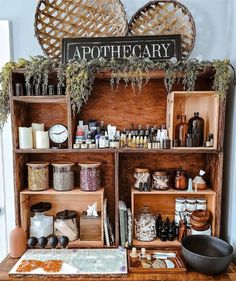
(36, 127)
(25, 137)
(42, 139)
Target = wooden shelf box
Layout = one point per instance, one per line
(186, 103)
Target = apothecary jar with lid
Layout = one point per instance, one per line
(145, 225)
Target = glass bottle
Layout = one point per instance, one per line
(196, 128)
(181, 130)
(181, 182)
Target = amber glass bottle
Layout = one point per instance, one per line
(181, 130)
(196, 128)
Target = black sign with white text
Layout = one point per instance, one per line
(156, 48)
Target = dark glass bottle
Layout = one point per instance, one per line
(181, 130)
(196, 128)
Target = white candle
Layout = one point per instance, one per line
(25, 137)
(36, 127)
(42, 139)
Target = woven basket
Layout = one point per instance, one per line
(163, 18)
(57, 19)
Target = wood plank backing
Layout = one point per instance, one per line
(170, 162)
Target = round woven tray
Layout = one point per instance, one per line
(163, 18)
(57, 19)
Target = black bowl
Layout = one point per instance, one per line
(207, 254)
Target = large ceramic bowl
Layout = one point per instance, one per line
(207, 254)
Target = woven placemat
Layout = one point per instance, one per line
(57, 19)
(163, 18)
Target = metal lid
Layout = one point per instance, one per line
(39, 164)
(160, 173)
(141, 170)
(201, 200)
(63, 164)
(180, 200)
(41, 207)
(66, 215)
(90, 165)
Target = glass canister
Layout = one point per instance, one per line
(66, 224)
(90, 176)
(160, 180)
(191, 204)
(40, 224)
(142, 176)
(145, 225)
(63, 176)
(38, 176)
(201, 204)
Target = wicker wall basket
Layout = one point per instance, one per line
(57, 19)
(162, 18)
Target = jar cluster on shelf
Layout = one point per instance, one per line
(63, 176)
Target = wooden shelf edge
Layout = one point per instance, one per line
(174, 191)
(51, 191)
(40, 99)
(122, 151)
(157, 243)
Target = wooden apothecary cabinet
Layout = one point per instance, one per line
(121, 108)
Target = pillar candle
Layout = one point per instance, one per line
(25, 137)
(42, 139)
(36, 127)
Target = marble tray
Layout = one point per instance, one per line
(78, 262)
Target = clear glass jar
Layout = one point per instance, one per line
(160, 180)
(142, 176)
(180, 205)
(90, 176)
(38, 176)
(41, 224)
(191, 204)
(201, 204)
(63, 176)
(66, 224)
(145, 225)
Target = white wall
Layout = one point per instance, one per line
(215, 23)
(6, 171)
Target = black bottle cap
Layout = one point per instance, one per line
(196, 114)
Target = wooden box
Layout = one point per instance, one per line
(186, 103)
(90, 227)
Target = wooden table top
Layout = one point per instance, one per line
(230, 275)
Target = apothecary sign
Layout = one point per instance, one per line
(156, 48)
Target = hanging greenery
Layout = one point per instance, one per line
(4, 88)
(78, 76)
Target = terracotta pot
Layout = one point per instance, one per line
(17, 242)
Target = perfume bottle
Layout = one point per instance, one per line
(181, 130)
(196, 128)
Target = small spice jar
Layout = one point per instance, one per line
(66, 224)
(201, 204)
(180, 205)
(181, 182)
(63, 176)
(142, 176)
(160, 180)
(90, 176)
(38, 176)
(145, 225)
(191, 204)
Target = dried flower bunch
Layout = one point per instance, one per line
(78, 76)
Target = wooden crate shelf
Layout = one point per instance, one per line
(120, 107)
